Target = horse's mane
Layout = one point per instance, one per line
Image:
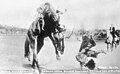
(49, 18)
(49, 22)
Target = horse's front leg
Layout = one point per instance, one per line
(56, 51)
(35, 52)
(63, 46)
(35, 60)
(115, 45)
(39, 45)
(113, 42)
(111, 45)
(107, 47)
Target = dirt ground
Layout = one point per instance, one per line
(13, 61)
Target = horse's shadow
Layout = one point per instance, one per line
(27, 66)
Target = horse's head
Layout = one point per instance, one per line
(37, 30)
(50, 20)
(37, 26)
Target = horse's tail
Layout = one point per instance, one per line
(26, 47)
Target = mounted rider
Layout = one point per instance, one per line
(38, 24)
(113, 32)
(47, 8)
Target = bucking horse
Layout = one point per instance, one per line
(35, 38)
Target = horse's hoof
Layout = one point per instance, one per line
(111, 50)
(33, 66)
(39, 70)
(58, 58)
(104, 52)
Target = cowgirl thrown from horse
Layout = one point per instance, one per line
(86, 56)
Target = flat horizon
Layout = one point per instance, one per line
(87, 14)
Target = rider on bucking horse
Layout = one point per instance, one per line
(44, 9)
(47, 8)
